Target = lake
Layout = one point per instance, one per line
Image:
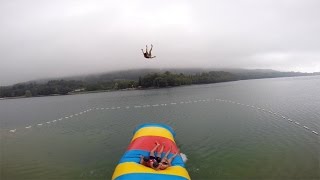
(252, 129)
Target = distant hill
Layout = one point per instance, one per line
(138, 78)
(136, 73)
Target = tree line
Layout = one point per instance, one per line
(150, 80)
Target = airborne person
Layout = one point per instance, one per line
(148, 54)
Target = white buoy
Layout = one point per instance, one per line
(305, 127)
(296, 122)
(39, 124)
(13, 130)
(48, 122)
(28, 127)
(54, 120)
(314, 132)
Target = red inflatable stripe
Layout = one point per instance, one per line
(147, 143)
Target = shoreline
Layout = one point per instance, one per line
(133, 89)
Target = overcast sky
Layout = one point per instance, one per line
(56, 38)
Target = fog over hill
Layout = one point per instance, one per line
(60, 38)
(134, 74)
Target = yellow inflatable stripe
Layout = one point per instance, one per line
(153, 131)
(132, 167)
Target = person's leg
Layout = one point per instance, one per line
(150, 50)
(166, 155)
(159, 153)
(154, 149)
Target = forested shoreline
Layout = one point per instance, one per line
(149, 80)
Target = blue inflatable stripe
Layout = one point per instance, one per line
(134, 156)
(155, 125)
(140, 176)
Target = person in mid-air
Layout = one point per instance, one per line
(148, 54)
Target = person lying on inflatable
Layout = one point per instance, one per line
(156, 162)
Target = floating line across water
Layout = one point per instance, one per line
(169, 104)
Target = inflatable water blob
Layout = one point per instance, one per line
(143, 140)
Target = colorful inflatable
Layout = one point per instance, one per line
(144, 138)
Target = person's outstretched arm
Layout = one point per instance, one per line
(171, 158)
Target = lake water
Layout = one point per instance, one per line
(253, 129)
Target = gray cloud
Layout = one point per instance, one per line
(42, 38)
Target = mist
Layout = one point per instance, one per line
(42, 39)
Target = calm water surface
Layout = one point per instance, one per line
(233, 130)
